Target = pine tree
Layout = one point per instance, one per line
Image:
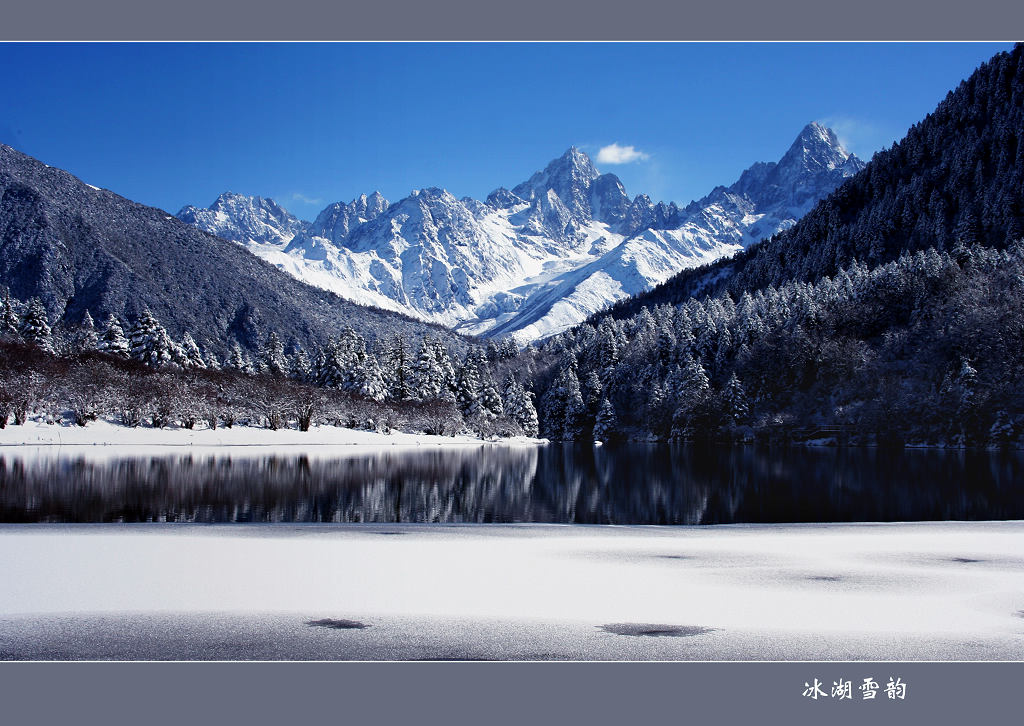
(735, 401)
(519, 406)
(399, 371)
(149, 342)
(212, 362)
(87, 338)
(488, 402)
(113, 341)
(330, 367)
(191, 356)
(370, 379)
(563, 408)
(350, 358)
(606, 424)
(9, 321)
(237, 360)
(607, 344)
(444, 365)
(693, 391)
(34, 326)
(509, 349)
(272, 356)
(427, 377)
(467, 387)
(299, 368)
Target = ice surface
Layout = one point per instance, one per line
(906, 591)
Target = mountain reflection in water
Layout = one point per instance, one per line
(627, 484)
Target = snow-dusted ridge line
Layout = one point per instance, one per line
(534, 260)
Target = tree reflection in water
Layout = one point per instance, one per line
(626, 484)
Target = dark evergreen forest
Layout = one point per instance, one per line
(890, 313)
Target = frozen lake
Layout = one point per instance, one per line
(916, 591)
(522, 552)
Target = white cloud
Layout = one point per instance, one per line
(615, 154)
(299, 197)
(860, 136)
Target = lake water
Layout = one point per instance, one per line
(625, 484)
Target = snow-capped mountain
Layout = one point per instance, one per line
(536, 259)
(249, 220)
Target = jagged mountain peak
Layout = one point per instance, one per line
(568, 175)
(816, 148)
(806, 172)
(260, 220)
(573, 164)
(432, 193)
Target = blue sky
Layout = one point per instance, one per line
(309, 124)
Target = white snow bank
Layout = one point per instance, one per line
(243, 440)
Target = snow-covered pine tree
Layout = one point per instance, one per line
(113, 341)
(351, 360)
(427, 376)
(9, 320)
(606, 424)
(211, 360)
(272, 356)
(317, 366)
(666, 340)
(237, 360)
(692, 389)
(467, 387)
(330, 367)
(34, 326)
(519, 406)
(508, 348)
(563, 409)
(735, 399)
(489, 401)
(444, 365)
(191, 356)
(87, 338)
(149, 342)
(399, 371)
(371, 378)
(593, 392)
(694, 384)
(607, 344)
(299, 368)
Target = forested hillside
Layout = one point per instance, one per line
(955, 178)
(891, 312)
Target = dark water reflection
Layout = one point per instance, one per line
(628, 484)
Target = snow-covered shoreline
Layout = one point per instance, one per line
(238, 439)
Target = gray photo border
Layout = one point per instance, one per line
(783, 20)
(503, 693)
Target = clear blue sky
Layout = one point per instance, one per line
(309, 124)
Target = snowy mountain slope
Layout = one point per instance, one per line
(536, 259)
(249, 220)
(80, 248)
